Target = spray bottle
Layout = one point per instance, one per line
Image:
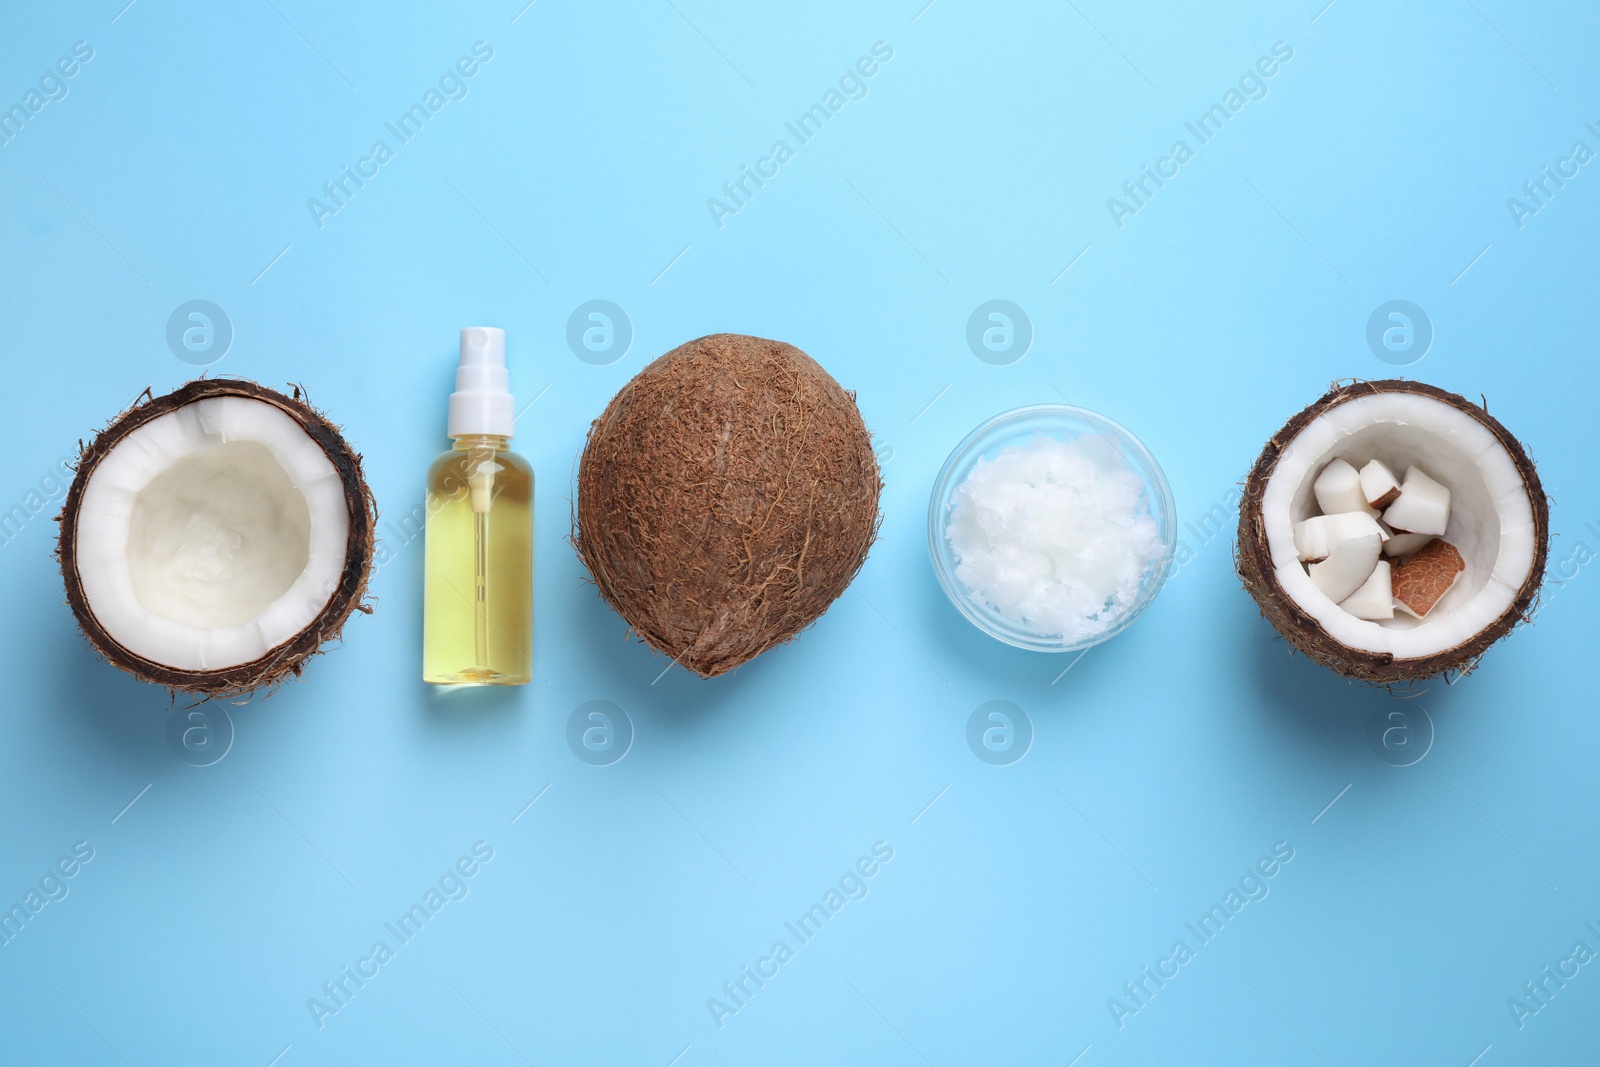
(477, 616)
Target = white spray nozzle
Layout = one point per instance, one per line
(482, 402)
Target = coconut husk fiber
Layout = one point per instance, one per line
(726, 497)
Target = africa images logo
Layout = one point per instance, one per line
(453, 885)
(52, 88)
(852, 885)
(1252, 887)
(852, 85)
(1252, 85)
(451, 85)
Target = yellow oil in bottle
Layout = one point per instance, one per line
(478, 597)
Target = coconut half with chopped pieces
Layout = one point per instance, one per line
(1497, 527)
(216, 537)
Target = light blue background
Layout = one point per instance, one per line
(977, 167)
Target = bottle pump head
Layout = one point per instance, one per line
(482, 402)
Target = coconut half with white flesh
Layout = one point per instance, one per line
(1497, 519)
(216, 537)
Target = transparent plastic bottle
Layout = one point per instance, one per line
(477, 626)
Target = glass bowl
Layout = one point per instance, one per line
(1018, 427)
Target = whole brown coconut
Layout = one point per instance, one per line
(224, 470)
(726, 496)
(1500, 523)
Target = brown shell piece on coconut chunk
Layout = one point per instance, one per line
(1379, 485)
(1498, 522)
(216, 537)
(1423, 580)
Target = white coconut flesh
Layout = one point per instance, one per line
(211, 534)
(1491, 517)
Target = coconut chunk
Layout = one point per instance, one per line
(1375, 599)
(1338, 489)
(1379, 487)
(1347, 567)
(1422, 581)
(1315, 538)
(1403, 544)
(1423, 506)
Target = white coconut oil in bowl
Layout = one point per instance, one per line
(1051, 528)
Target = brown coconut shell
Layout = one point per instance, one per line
(287, 659)
(726, 497)
(1422, 581)
(1254, 560)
